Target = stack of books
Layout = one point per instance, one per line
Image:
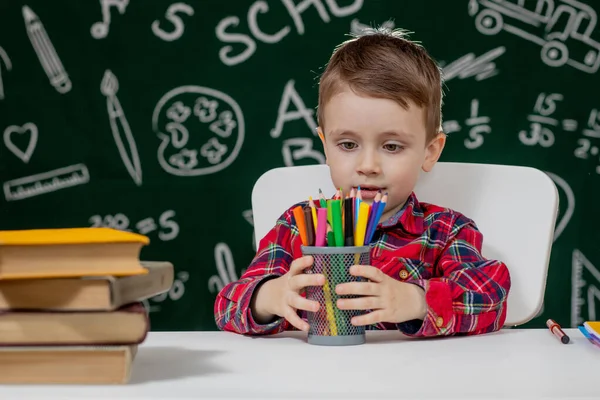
(71, 308)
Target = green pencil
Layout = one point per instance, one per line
(336, 217)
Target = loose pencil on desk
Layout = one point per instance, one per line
(299, 217)
(310, 230)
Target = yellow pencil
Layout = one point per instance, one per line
(361, 226)
(313, 209)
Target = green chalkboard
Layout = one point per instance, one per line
(158, 117)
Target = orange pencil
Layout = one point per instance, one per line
(299, 217)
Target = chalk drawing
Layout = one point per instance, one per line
(120, 127)
(45, 52)
(100, 29)
(28, 128)
(46, 182)
(202, 145)
(562, 28)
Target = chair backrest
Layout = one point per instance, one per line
(514, 207)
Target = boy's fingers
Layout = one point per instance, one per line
(368, 271)
(360, 303)
(358, 288)
(301, 281)
(368, 319)
(300, 303)
(293, 318)
(300, 264)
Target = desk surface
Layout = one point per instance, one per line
(512, 363)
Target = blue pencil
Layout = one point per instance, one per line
(380, 209)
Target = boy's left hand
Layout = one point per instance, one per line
(391, 300)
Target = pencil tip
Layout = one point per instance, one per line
(320, 191)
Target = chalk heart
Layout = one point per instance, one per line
(28, 128)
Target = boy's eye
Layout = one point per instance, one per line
(347, 145)
(392, 147)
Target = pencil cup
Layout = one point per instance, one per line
(330, 326)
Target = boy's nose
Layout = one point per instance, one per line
(368, 164)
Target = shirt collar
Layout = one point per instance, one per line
(409, 217)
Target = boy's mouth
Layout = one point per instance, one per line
(369, 192)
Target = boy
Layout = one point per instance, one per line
(379, 120)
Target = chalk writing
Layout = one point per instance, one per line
(173, 18)
(295, 11)
(479, 125)
(168, 229)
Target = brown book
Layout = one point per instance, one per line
(103, 293)
(70, 252)
(66, 365)
(126, 325)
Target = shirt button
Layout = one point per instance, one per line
(403, 274)
(439, 321)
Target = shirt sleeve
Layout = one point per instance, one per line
(470, 296)
(273, 258)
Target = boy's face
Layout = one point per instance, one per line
(376, 144)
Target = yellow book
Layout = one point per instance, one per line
(70, 252)
(81, 365)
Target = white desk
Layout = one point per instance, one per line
(524, 364)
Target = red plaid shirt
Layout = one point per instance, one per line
(421, 242)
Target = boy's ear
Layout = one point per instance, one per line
(434, 151)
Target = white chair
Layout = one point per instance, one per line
(514, 207)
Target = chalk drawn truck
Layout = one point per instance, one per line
(562, 28)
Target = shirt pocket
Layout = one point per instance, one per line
(408, 269)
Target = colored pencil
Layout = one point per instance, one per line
(299, 217)
(372, 216)
(321, 227)
(310, 227)
(363, 213)
(377, 217)
(313, 210)
(336, 217)
(348, 222)
(322, 200)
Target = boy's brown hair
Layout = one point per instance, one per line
(385, 64)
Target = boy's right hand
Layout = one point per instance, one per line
(281, 296)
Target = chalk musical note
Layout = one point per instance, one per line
(45, 51)
(100, 29)
(4, 58)
(109, 88)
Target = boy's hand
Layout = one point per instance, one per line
(391, 300)
(281, 296)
